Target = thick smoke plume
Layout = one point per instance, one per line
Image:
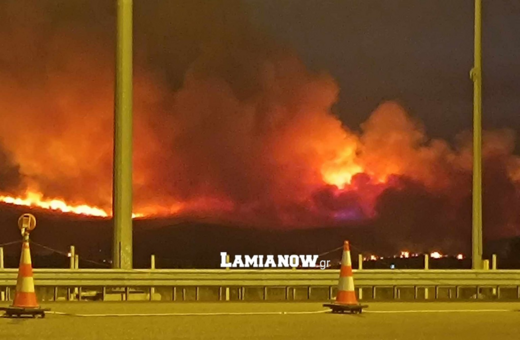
(229, 125)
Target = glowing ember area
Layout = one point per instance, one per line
(340, 171)
(339, 179)
(37, 200)
(408, 255)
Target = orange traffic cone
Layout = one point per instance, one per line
(346, 298)
(25, 301)
(346, 293)
(25, 295)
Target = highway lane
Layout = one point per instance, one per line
(381, 321)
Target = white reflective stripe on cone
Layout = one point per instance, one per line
(350, 283)
(26, 256)
(346, 284)
(346, 261)
(27, 285)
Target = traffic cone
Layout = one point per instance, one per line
(346, 291)
(25, 296)
(25, 301)
(346, 300)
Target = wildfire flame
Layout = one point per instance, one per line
(32, 199)
(339, 172)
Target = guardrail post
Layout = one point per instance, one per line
(76, 292)
(485, 264)
(152, 267)
(2, 259)
(152, 261)
(360, 267)
(227, 288)
(426, 267)
(495, 291)
(72, 253)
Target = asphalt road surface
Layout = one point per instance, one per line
(263, 321)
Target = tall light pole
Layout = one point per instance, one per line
(122, 180)
(476, 76)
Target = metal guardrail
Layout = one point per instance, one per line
(261, 285)
(261, 278)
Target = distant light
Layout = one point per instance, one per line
(460, 257)
(392, 266)
(436, 255)
(373, 258)
(404, 254)
(69, 255)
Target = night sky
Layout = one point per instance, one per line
(418, 52)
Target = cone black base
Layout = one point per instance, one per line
(11, 312)
(340, 308)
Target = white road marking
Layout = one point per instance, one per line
(190, 314)
(288, 313)
(439, 311)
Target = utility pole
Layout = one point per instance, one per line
(476, 76)
(122, 180)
